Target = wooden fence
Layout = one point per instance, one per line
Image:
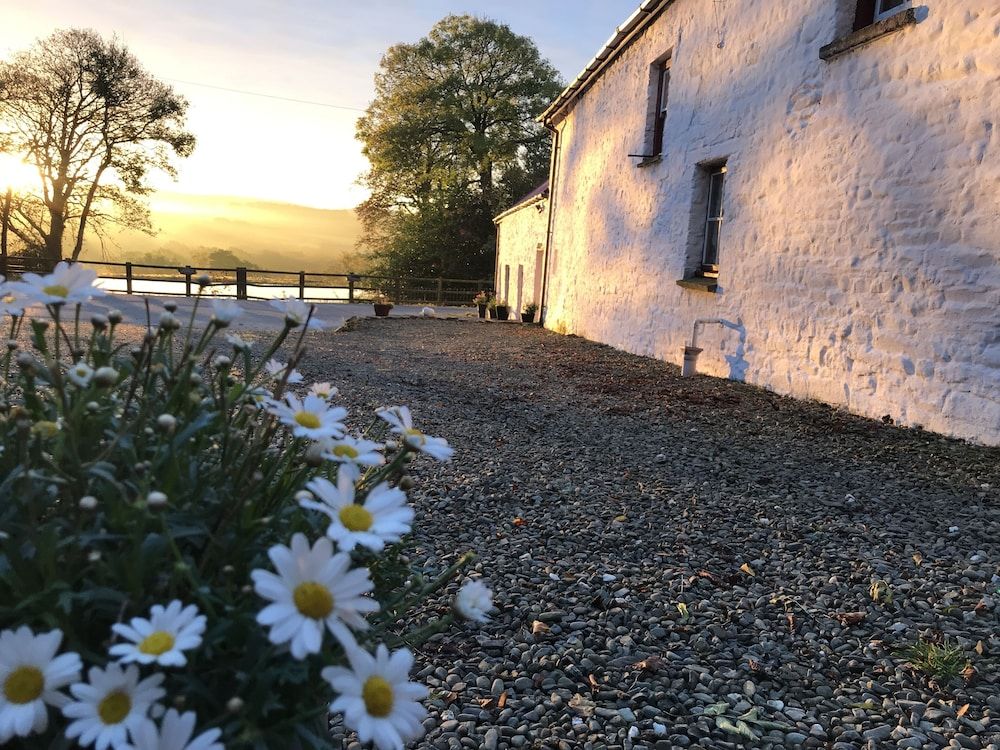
(252, 283)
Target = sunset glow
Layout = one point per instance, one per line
(16, 175)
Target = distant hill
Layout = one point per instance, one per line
(276, 236)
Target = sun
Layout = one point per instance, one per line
(15, 175)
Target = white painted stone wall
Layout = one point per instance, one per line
(520, 244)
(860, 260)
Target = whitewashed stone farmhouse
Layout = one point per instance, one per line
(823, 177)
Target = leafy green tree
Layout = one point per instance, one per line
(94, 123)
(452, 140)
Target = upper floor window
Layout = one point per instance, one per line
(660, 105)
(870, 11)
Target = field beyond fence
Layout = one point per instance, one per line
(252, 283)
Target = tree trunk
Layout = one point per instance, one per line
(54, 239)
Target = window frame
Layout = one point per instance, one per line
(882, 14)
(660, 104)
(717, 171)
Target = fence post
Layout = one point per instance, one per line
(128, 277)
(440, 298)
(188, 273)
(351, 278)
(241, 282)
(302, 284)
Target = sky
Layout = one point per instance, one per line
(324, 51)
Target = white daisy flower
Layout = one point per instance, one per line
(175, 733)
(162, 638)
(474, 601)
(224, 312)
(313, 588)
(111, 705)
(310, 417)
(401, 422)
(260, 396)
(384, 517)
(296, 313)
(376, 697)
(238, 343)
(69, 282)
(30, 677)
(276, 370)
(352, 453)
(12, 302)
(323, 390)
(80, 374)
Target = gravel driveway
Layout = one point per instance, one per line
(661, 546)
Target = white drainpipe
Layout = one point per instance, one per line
(691, 351)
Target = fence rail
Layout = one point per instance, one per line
(254, 283)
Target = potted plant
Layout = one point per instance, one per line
(501, 310)
(481, 301)
(382, 306)
(529, 312)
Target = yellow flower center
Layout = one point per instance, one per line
(307, 419)
(56, 290)
(157, 643)
(115, 707)
(345, 451)
(45, 429)
(23, 685)
(355, 517)
(313, 600)
(377, 694)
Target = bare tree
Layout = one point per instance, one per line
(94, 123)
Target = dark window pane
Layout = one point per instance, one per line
(715, 191)
(887, 5)
(712, 232)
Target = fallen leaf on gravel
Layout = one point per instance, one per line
(582, 705)
(518, 521)
(791, 622)
(502, 700)
(980, 648)
(539, 628)
(649, 664)
(708, 576)
(485, 702)
(621, 519)
(918, 558)
(963, 710)
(849, 618)
(969, 674)
(745, 567)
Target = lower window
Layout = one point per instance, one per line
(713, 221)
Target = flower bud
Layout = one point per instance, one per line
(99, 322)
(304, 495)
(406, 483)
(202, 279)
(196, 379)
(156, 500)
(45, 429)
(314, 455)
(115, 317)
(170, 307)
(234, 705)
(93, 406)
(88, 502)
(168, 322)
(222, 363)
(105, 377)
(94, 556)
(27, 363)
(12, 345)
(166, 422)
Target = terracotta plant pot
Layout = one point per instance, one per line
(382, 311)
(482, 311)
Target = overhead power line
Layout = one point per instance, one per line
(269, 96)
